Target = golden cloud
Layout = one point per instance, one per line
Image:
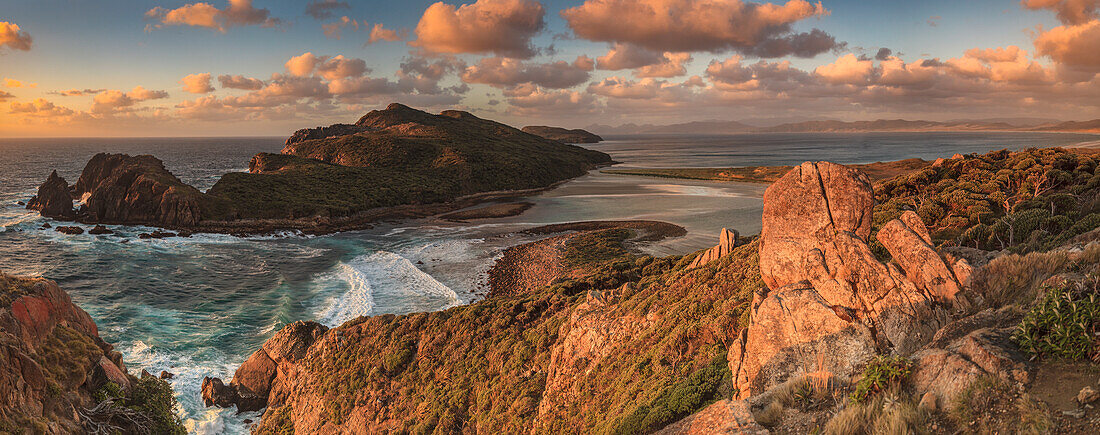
(503, 27)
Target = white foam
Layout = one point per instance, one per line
(187, 384)
(379, 283)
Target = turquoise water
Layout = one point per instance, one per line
(198, 306)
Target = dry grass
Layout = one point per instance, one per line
(1015, 279)
(887, 414)
(770, 415)
(990, 405)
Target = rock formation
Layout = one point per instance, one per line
(53, 199)
(562, 134)
(727, 240)
(51, 357)
(123, 189)
(268, 374)
(830, 303)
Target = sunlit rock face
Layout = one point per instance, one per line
(830, 304)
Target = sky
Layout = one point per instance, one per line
(267, 67)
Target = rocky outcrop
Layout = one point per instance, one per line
(727, 240)
(562, 134)
(53, 199)
(269, 373)
(830, 303)
(323, 132)
(51, 358)
(721, 417)
(123, 189)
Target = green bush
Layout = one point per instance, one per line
(881, 373)
(1062, 325)
(680, 399)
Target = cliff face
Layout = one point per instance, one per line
(563, 135)
(53, 362)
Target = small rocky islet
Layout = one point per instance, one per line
(921, 301)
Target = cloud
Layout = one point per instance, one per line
(4, 96)
(197, 83)
(1007, 64)
(627, 56)
(758, 29)
(1070, 12)
(532, 100)
(240, 82)
(236, 13)
(848, 69)
(331, 68)
(12, 37)
(380, 33)
(884, 53)
(113, 101)
(672, 66)
(934, 21)
(13, 83)
(324, 9)
(332, 30)
(502, 27)
(77, 92)
(507, 72)
(40, 108)
(1076, 46)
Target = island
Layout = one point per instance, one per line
(398, 162)
(563, 135)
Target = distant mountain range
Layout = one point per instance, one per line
(828, 126)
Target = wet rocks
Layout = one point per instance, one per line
(70, 230)
(727, 240)
(156, 235)
(256, 384)
(100, 230)
(53, 199)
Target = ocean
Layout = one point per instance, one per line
(198, 306)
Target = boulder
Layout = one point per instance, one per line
(947, 370)
(99, 230)
(830, 304)
(216, 393)
(800, 207)
(1087, 395)
(53, 199)
(727, 240)
(291, 343)
(70, 230)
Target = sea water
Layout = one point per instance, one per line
(199, 306)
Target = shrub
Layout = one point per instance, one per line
(1062, 325)
(882, 373)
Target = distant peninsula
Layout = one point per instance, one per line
(834, 126)
(563, 135)
(392, 163)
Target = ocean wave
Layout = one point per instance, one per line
(187, 385)
(379, 283)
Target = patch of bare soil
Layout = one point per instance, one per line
(1057, 385)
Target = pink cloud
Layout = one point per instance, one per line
(1076, 46)
(14, 38)
(113, 101)
(503, 27)
(1071, 12)
(380, 33)
(504, 72)
(332, 30)
(627, 56)
(761, 29)
(673, 65)
(848, 69)
(197, 83)
(40, 108)
(237, 13)
(240, 82)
